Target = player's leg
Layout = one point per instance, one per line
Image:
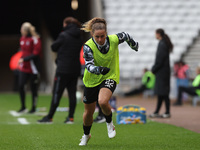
(167, 106)
(71, 88)
(90, 98)
(136, 91)
(23, 77)
(100, 117)
(87, 122)
(88, 116)
(58, 89)
(34, 90)
(189, 90)
(104, 97)
(106, 90)
(159, 103)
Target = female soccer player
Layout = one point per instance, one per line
(102, 72)
(31, 50)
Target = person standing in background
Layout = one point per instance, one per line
(31, 51)
(161, 69)
(68, 47)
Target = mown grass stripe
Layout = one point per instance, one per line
(22, 121)
(14, 113)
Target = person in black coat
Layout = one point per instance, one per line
(161, 69)
(67, 46)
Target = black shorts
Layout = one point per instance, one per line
(91, 94)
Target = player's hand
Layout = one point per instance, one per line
(20, 60)
(104, 70)
(136, 46)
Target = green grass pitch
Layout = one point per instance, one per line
(59, 136)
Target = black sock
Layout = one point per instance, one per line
(108, 118)
(86, 129)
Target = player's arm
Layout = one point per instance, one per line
(126, 37)
(30, 57)
(59, 41)
(89, 62)
(36, 50)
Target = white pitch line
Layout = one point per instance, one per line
(14, 113)
(22, 121)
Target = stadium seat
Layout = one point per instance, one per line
(140, 18)
(195, 100)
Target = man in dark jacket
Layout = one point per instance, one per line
(67, 46)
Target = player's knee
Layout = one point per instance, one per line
(103, 103)
(88, 113)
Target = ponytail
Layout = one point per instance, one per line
(33, 32)
(166, 38)
(169, 43)
(95, 24)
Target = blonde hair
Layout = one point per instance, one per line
(95, 24)
(26, 26)
(25, 29)
(33, 32)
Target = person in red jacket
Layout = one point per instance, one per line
(31, 50)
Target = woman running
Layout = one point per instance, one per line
(102, 72)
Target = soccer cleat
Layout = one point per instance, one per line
(32, 111)
(154, 115)
(100, 119)
(111, 130)
(165, 115)
(23, 110)
(84, 140)
(69, 120)
(45, 120)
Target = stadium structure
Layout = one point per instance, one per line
(179, 18)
